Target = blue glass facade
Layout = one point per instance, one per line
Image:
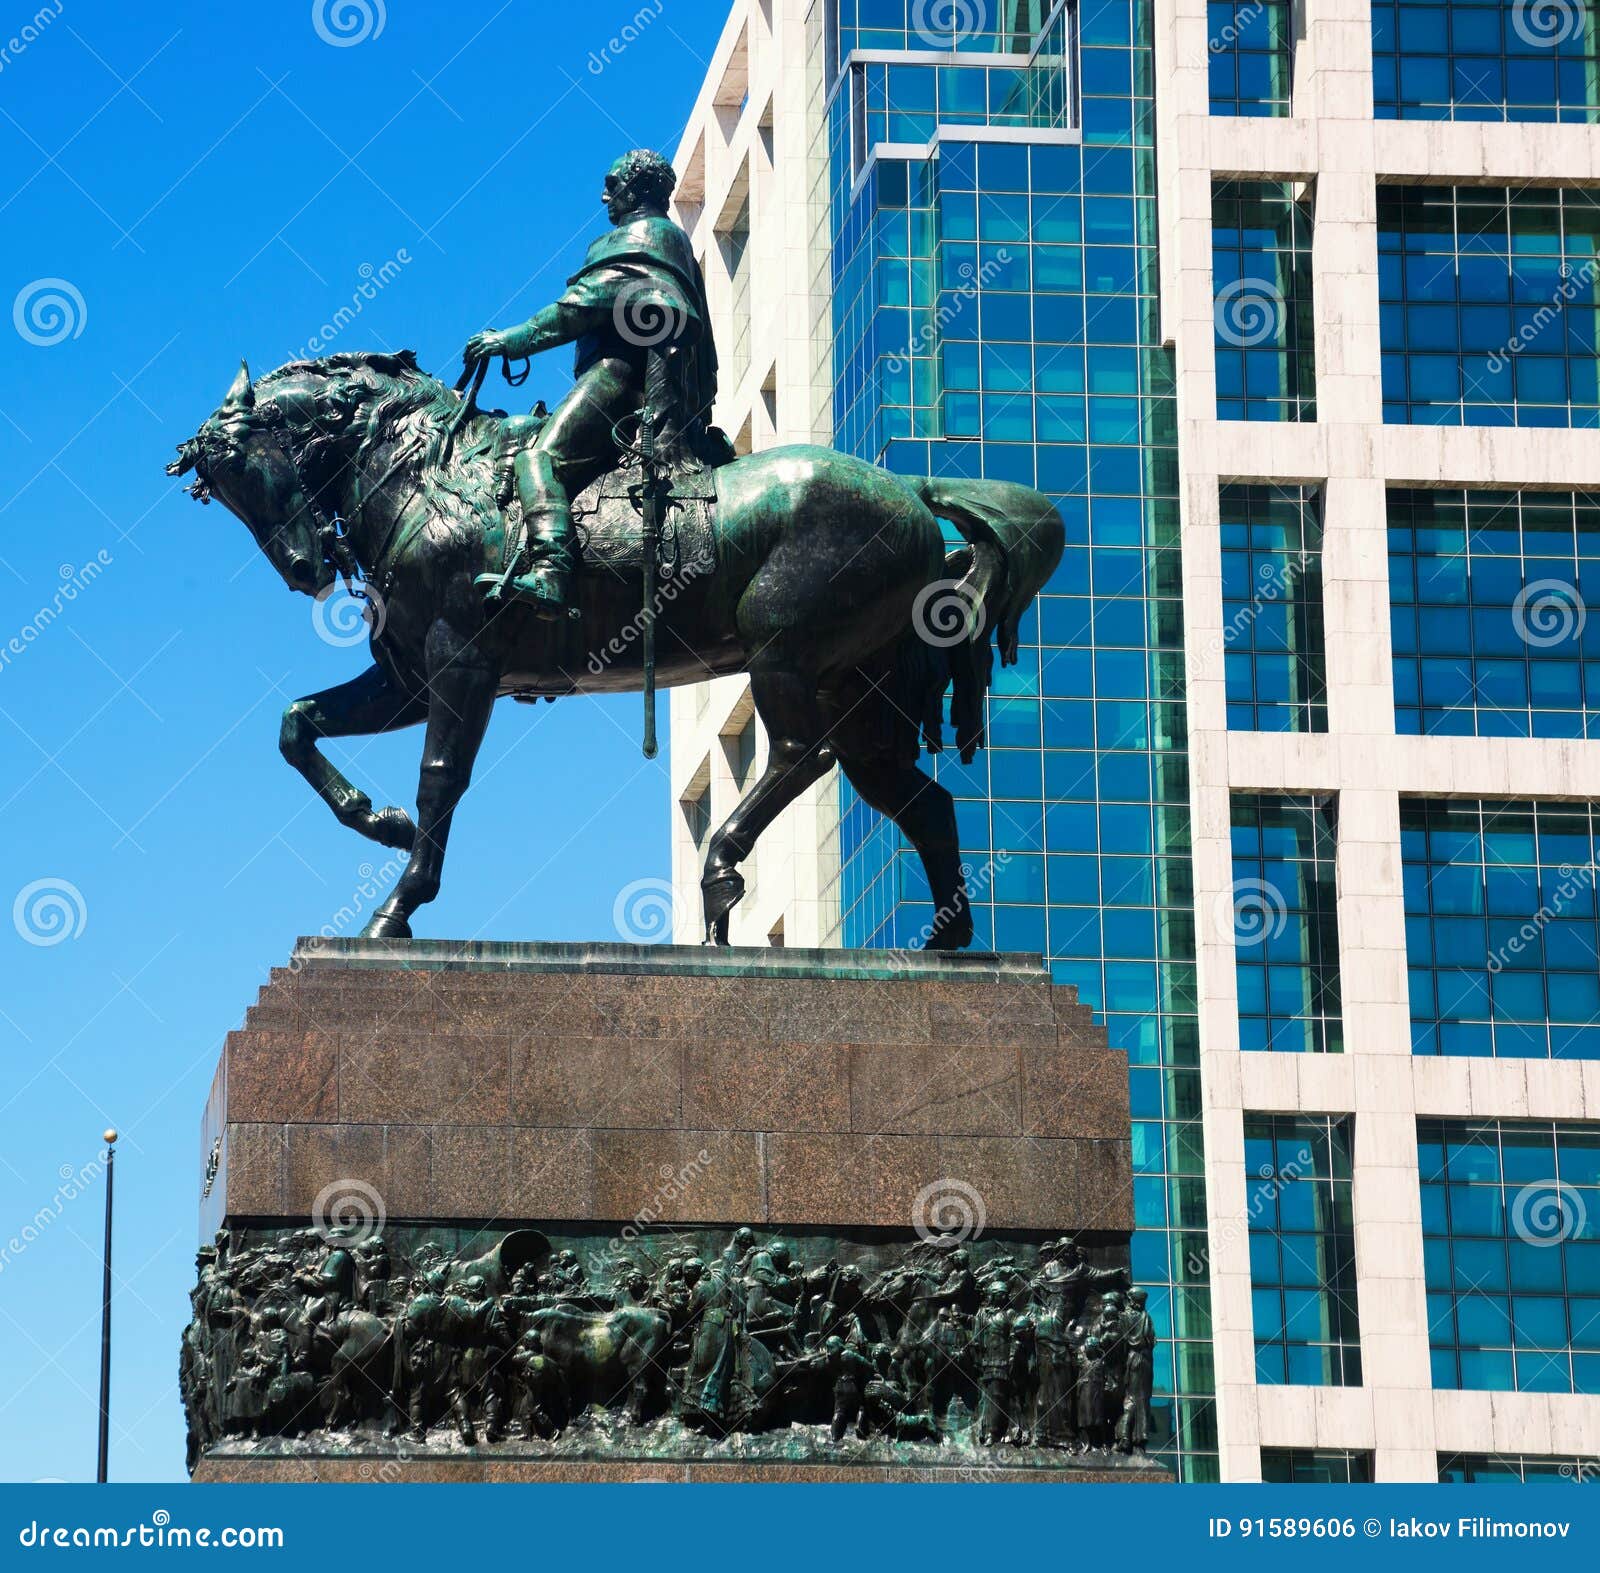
(1511, 1237)
(1489, 613)
(994, 314)
(1484, 60)
(1315, 1466)
(973, 26)
(1274, 661)
(1489, 305)
(1515, 1469)
(1502, 934)
(1261, 274)
(1249, 55)
(1285, 924)
(1302, 1250)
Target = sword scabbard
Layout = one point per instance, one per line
(655, 389)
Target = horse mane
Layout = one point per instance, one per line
(401, 394)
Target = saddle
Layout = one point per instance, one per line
(608, 516)
(608, 523)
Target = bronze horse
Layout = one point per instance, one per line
(823, 577)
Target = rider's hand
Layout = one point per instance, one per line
(481, 346)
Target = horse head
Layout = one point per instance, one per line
(276, 453)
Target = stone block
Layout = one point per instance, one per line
(283, 1075)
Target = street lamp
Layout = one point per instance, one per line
(105, 1314)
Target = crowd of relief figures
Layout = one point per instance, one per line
(661, 1342)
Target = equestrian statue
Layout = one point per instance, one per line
(617, 543)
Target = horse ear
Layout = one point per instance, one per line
(241, 396)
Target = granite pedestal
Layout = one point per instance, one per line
(617, 1098)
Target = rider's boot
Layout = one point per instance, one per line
(545, 583)
(542, 566)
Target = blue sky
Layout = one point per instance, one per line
(184, 184)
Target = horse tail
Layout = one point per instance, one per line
(1015, 538)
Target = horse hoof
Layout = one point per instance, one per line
(720, 896)
(393, 827)
(953, 936)
(387, 926)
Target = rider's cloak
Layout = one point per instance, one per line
(644, 275)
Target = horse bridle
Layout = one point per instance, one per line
(333, 534)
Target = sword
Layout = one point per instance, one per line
(655, 486)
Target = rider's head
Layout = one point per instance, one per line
(640, 179)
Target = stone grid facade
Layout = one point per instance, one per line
(1333, 140)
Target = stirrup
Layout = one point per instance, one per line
(544, 589)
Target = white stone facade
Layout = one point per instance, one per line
(752, 137)
(755, 128)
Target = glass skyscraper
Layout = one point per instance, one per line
(993, 252)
